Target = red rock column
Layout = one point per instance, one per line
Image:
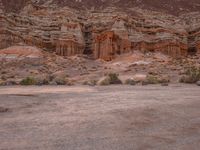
(96, 49)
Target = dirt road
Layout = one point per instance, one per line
(100, 118)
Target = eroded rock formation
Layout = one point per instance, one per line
(108, 44)
(70, 41)
(101, 33)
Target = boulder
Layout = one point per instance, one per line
(198, 83)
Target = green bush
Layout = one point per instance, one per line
(28, 81)
(192, 75)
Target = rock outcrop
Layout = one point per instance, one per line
(70, 41)
(102, 33)
(21, 52)
(108, 44)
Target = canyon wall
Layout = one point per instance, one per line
(102, 33)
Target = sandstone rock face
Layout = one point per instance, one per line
(43, 31)
(145, 33)
(171, 6)
(108, 44)
(103, 33)
(70, 41)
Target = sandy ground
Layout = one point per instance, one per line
(100, 118)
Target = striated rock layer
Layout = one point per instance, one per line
(101, 33)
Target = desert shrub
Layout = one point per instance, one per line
(192, 75)
(111, 78)
(130, 82)
(60, 81)
(114, 78)
(93, 82)
(85, 83)
(184, 79)
(152, 79)
(105, 81)
(42, 82)
(164, 84)
(69, 82)
(28, 81)
(164, 80)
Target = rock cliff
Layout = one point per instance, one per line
(115, 27)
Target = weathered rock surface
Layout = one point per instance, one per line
(102, 33)
(172, 6)
(20, 52)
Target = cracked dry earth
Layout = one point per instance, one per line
(100, 118)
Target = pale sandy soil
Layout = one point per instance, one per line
(100, 118)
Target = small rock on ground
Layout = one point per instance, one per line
(198, 83)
